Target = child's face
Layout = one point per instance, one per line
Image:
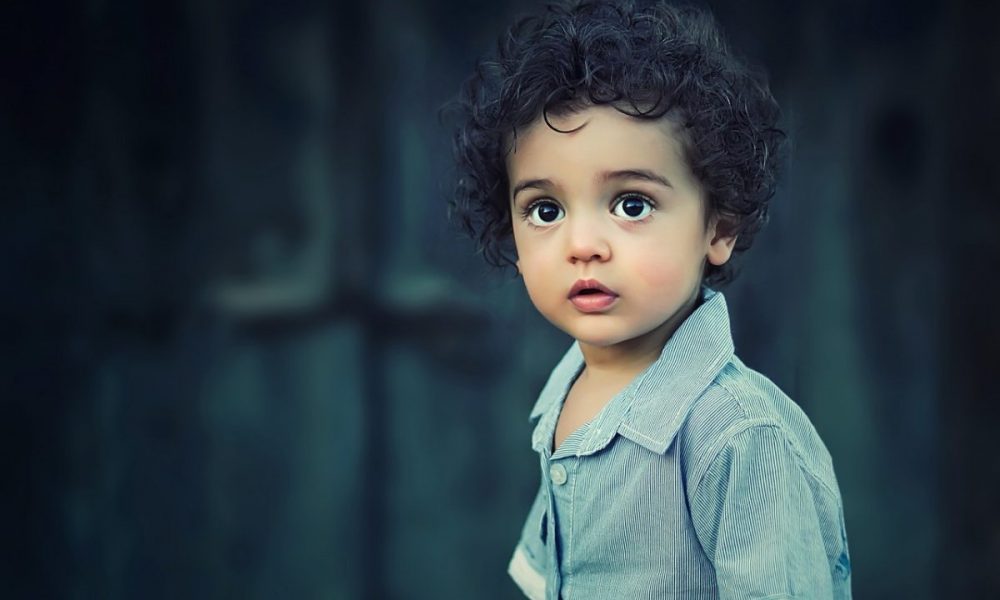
(595, 210)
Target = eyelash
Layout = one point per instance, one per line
(526, 211)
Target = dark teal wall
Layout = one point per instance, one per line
(246, 356)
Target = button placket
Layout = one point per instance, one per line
(553, 579)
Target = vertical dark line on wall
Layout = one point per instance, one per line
(359, 133)
(42, 377)
(373, 503)
(970, 471)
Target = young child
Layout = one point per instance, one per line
(620, 158)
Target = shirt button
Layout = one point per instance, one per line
(558, 474)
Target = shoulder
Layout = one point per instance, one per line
(735, 409)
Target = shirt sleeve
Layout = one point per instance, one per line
(529, 564)
(755, 513)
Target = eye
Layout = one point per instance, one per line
(544, 212)
(633, 207)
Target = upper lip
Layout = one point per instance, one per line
(590, 284)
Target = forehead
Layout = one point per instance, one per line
(596, 138)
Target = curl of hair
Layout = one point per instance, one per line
(648, 63)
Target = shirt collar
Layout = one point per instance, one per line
(652, 408)
(563, 375)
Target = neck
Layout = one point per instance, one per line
(627, 359)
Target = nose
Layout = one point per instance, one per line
(587, 242)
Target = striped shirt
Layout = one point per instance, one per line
(701, 479)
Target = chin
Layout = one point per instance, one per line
(599, 339)
(599, 343)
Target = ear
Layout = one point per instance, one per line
(720, 243)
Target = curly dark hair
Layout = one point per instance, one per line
(648, 63)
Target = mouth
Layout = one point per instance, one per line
(590, 295)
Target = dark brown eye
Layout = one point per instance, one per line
(548, 213)
(545, 213)
(633, 208)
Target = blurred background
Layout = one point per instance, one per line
(246, 356)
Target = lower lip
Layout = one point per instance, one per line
(589, 303)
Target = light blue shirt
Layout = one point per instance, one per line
(701, 479)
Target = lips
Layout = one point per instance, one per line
(590, 295)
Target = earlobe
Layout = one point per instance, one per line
(721, 249)
(720, 246)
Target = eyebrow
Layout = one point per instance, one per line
(640, 174)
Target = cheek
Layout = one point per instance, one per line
(528, 262)
(533, 258)
(659, 265)
(537, 279)
(661, 273)
(672, 265)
